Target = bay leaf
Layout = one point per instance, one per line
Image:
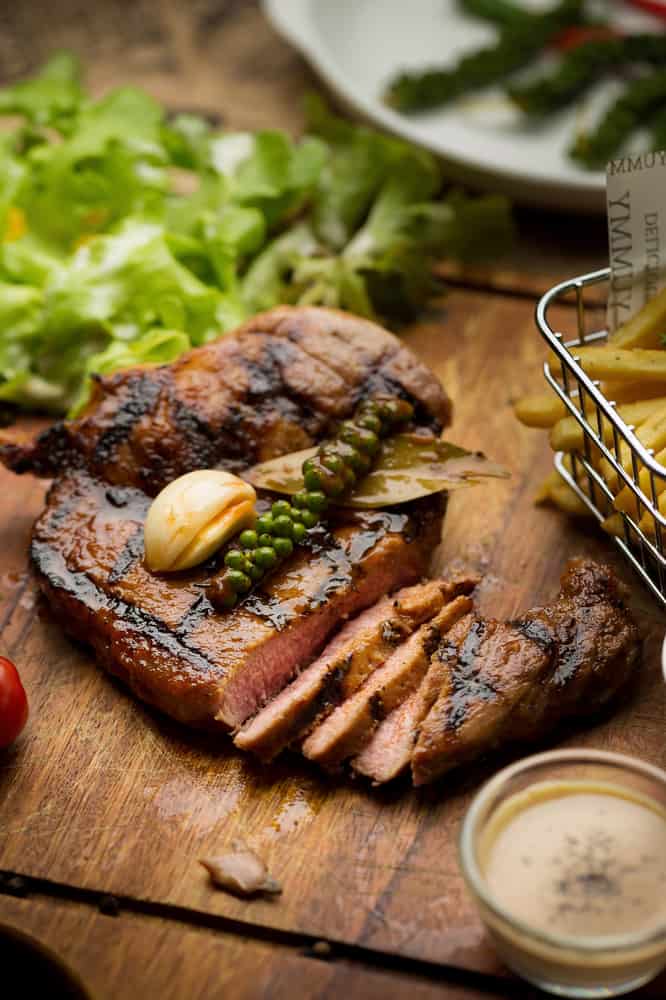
(409, 466)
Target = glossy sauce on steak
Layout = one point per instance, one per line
(160, 633)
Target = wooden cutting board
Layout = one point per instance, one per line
(101, 792)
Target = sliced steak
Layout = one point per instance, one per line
(277, 384)
(488, 666)
(359, 648)
(160, 634)
(516, 681)
(349, 727)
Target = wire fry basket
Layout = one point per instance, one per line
(612, 473)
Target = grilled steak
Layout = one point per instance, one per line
(507, 682)
(416, 676)
(160, 633)
(278, 384)
(349, 727)
(358, 649)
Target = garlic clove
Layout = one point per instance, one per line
(216, 533)
(193, 516)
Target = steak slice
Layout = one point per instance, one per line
(161, 635)
(389, 751)
(277, 384)
(487, 667)
(349, 727)
(516, 681)
(359, 648)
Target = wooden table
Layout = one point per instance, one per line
(105, 807)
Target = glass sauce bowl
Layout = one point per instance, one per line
(578, 964)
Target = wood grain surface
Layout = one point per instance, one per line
(103, 793)
(172, 962)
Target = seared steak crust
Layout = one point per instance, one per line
(507, 682)
(278, 384)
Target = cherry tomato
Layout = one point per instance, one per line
(13, 703)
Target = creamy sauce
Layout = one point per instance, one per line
(578, 858)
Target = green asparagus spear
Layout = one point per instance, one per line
(582, 67)
(640, 100)
(516, 47)
(503, 13)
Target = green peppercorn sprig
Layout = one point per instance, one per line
(327, 476)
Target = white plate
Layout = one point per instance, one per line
(358, 45)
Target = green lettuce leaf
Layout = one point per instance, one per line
(268, 171)
(110, 167)
(21, 311)
(127, 235)
(360, 162)
(52, 97)
(129, 279)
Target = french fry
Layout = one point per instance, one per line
(613, 525)
(554, 490)
(567, 434)
(542, 409)
(564, 497)
(632, 392)
(623, 365)
(651, 433)
(646, 328)
(647, 522)
(625, 500)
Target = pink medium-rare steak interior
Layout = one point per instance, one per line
(350, 726)
(361, 646)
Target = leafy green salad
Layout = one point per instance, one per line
(128, 235)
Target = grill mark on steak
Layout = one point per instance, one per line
(467, 683)
(80, 587)
(267, 389)
(143, 390)
(562, 660)
(198, 611)
(535, 630)
(131, 552)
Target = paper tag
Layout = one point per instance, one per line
(636, 210)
